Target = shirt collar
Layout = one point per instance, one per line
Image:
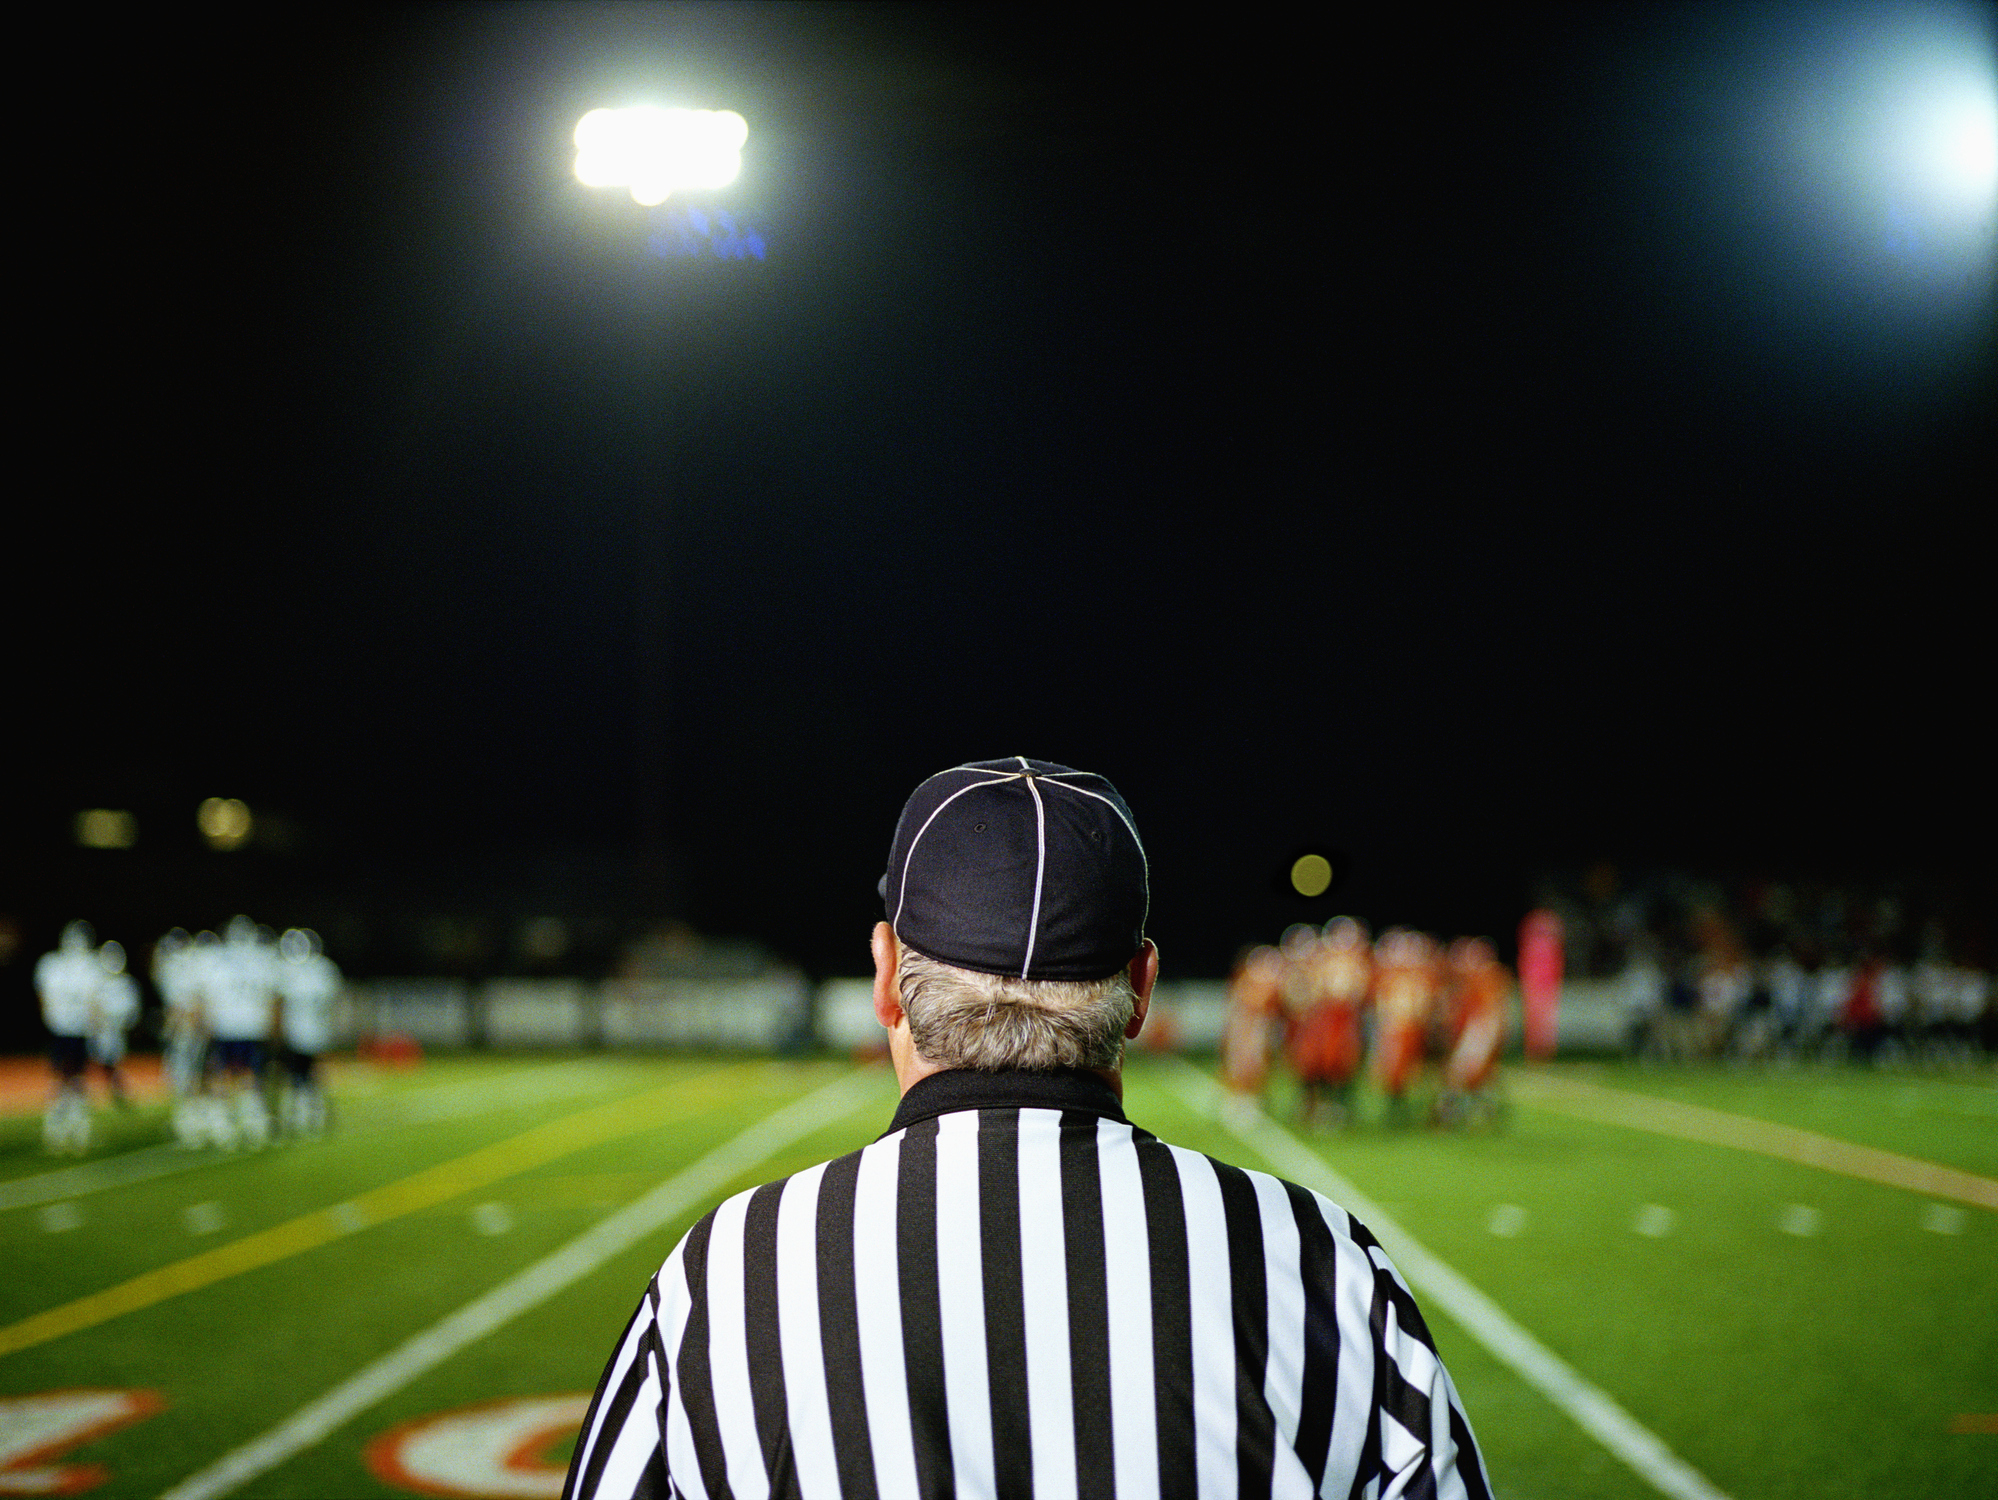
(960, 1089)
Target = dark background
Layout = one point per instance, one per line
(1461, 444)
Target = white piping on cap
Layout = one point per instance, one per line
(902, 896)
(1040, 870)
(1144, 864)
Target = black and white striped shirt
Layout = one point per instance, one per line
(1015, 1292)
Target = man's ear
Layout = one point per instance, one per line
(887, 990)
(1144, 972)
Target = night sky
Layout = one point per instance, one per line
(1473, 444)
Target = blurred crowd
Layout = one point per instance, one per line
(247, 1016)
(1758, 969)
(1337, 1005)
(1720, 998)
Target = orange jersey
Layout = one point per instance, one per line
(1403, 993)
(1325, 1043)
(1255, 1004)
(1480, 992)
(1346, 974)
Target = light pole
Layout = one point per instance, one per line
(655, 152)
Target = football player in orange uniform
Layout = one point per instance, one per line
(1255, 1019)
(1479, 984)
(1325, 1041)
(1405, 985)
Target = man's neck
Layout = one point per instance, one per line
(911, 1067)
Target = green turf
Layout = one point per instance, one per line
(1777, 1364)
(1951, 1119)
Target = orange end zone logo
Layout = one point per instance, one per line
(499, 1448)
(36, 1430)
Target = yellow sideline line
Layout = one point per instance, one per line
(433, 1185)
(1695, 1122)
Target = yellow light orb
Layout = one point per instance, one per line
(1311, 875)
(224, 822)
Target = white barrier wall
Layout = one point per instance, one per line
(765, 1013)
(760, 1014)
(436, 1012)
(1594, 1016)
(776, 1011)
(521, 1014)
(845, 1019)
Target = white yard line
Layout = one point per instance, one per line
(1695, 1122)
(142, 1165)
(1484, 1320)
(315, 1421)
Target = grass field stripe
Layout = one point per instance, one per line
(1696, 1122)
(1592, 1409)
(143, 1165)
(433, 1185)
(611, 1236)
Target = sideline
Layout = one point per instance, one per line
(314, 1422)
(1713, 1127)
(433, 1185)
(1592, 1409)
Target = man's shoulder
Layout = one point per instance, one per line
(793, 1187)
(1271, 1190)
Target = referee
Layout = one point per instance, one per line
(1016, 1292)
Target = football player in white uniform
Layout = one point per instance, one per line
(307, 984)
(176, 964)
(116, 1012)
(239, 994)
(67, 981)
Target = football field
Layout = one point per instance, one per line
(1644, 1281)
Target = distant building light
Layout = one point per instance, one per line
(1311, 875)
(224, 822)
(106, 828)
(656, 152)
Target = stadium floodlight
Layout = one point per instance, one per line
(656, 152)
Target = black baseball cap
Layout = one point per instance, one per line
(1019, 867)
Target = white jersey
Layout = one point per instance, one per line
(176, 972)
(1643, 987)
(1971, 994)
(68, 980)
(237, 988)
(117, 1004)
(1890, 993)
(1829, 994)
(1789, 989)
(308, 986)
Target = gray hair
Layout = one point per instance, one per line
(959, 1018)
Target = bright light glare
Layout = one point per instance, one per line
(1962, 145)
(656, 152)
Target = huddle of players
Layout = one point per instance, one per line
(227, 1001)
(1334, 1002)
